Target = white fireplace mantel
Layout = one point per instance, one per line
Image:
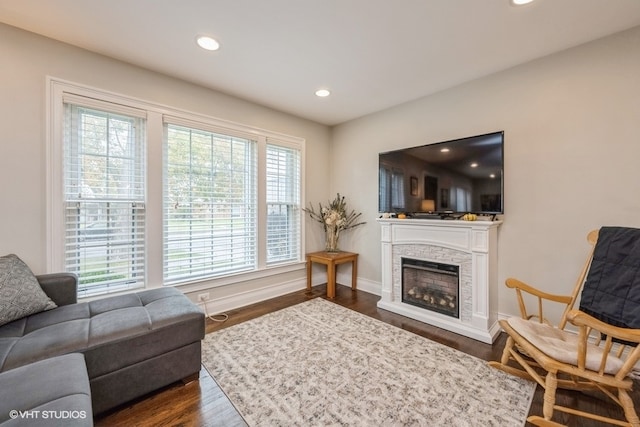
(471, 245)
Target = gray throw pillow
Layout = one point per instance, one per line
(20, 292)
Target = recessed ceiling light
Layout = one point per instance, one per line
(474, 165)
(207, 43)
(493, 175)
(520, 2)
(444, 150)
(323, 93)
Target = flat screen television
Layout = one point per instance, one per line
(458, 176)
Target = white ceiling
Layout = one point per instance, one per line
(372, 54)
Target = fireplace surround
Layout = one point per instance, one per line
(470, 246)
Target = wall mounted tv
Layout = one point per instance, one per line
(458, 176)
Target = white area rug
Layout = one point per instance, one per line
(319, 364)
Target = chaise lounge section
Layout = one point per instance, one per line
(50, 393)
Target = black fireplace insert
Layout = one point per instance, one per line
(431, 285)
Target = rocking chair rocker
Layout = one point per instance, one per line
(605, 351)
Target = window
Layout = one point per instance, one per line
(391, 189)
(384, 188)
(210, 204)
(104, 199)
(144, 195)
(283, 203)
(397, 189)
(463, 199)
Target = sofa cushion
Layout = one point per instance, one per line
(52, 392)
(20, 292)
(112, 332)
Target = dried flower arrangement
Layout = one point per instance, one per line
(334, 218)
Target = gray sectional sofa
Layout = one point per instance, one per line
(125, 347)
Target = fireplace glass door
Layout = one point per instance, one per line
(431, 285)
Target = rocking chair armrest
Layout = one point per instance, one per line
(541, 296)
(521, 286)
(580, 318)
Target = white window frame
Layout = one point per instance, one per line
(123, 252)
(156, 114)
(290, 200)
(207, 247)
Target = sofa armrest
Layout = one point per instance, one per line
(62, 288)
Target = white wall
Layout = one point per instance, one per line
(26, 60)
(571, 122)
(572, 147)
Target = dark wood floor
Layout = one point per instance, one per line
(202, 403)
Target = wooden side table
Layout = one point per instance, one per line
(331, 260)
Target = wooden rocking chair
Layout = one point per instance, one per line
(604, 352)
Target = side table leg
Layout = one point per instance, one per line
(308, 274)
(331, 280)
(354, 274)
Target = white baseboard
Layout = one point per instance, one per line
(231, 302)
(220, 305)
(242, 299)
(365, 285)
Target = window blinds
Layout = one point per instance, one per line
(210, 204)
(200, 198)
(104, 195)
(283, 203)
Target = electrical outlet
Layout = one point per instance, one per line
(203, 297)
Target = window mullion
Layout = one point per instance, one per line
(262, 203)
